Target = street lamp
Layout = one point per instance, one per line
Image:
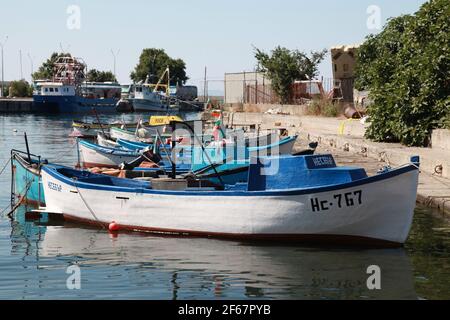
(115, 56)
(3, 73)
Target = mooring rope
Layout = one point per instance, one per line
(87, 205)
(22, 194)
(4, 167)
(59, 155)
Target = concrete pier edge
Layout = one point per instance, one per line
(434, 179)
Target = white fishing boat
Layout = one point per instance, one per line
(93, 155)
(152, 97)
(102, 155)
(104, 141)
(141, 134)
(301, 198)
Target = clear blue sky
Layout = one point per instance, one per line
(216, 34)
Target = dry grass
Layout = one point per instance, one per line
(322, 107)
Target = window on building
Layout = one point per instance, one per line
(346, 67)
(335, 67)
(46, 89)
(56, 90)
(51, 89)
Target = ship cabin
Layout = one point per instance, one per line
(101, 90)
(54, 89)
(146, 92)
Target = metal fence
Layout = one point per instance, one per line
(342, 90)
(259, 91)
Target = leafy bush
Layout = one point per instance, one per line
(95, 75)
(330, 110)
(284, 66)
(153, 62)
(320, 107)
(20, 89)
(406, 68)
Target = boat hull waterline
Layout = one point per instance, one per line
(375, 211)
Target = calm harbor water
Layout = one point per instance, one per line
(35, 254)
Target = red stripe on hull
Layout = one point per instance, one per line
(323, 239)
(87, 165)
(33, 203)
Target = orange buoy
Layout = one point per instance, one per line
(113, 226)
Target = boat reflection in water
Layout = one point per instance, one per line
(147, 267)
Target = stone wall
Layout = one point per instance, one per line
(440, 138)
(295, 110)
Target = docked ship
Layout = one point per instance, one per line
(145, 98)
(68, 92)
(152, 97)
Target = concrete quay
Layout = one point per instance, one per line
(16, 105)
(345, 140)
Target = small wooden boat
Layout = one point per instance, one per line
(308, 198)
(236, 153)
(105, 141)
(90, 129)
(94, 155)
(26, 177)
(142, 134)
(25, 181)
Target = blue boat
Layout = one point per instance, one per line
(225, 165)
(25, 182)
(67, 91)
(235, 153)
(57, 97)
(93, 155)
(307, 198)
(136, 146)
(25, 178)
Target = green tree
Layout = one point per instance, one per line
(95, 75)
(284, 66)
(46, 71)
(20, 89)
(153, 62)
(406, 68)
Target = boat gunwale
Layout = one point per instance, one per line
(17, 155)
(230, 192)
(112, 151)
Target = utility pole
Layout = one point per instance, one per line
(205, 86)
(3, 71)
(115, 56)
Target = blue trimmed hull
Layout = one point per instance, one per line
(92, 181)
(27, 184)
(72, 104)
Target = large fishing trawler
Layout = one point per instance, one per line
(68, 92)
